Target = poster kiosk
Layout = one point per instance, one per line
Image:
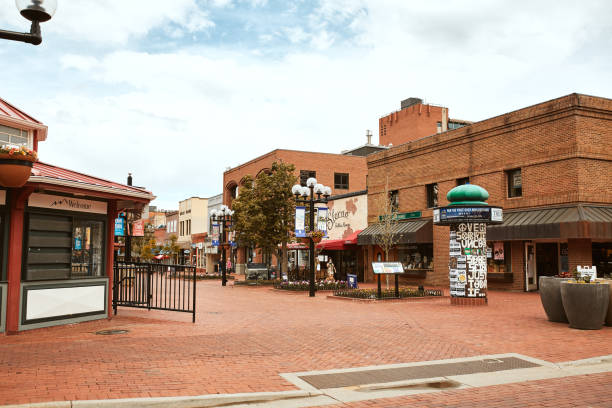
(468, 215)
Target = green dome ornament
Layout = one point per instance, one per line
(467, 194)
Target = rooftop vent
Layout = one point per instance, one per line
(410, 101)
(369, 136)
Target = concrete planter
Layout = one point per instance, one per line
(609, 317)
(550, 295)
(586, 305)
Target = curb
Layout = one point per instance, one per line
(213, 400)
(389, 300)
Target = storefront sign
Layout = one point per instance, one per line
(450, 215)
(2, 197)
(387, 267)
(55, 202)
(322, 220)
(138, 228)
(300, 217)
(468, 260)
(404, 216)
(119, 227)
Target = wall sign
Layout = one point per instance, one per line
(468, 260)
(404, 216)
(2, 197)
(138, 228)
(300, 218)
(55, 202)
(590, 271)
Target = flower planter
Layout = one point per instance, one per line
(13, 172)
(585, 304)
(609, 317)
(550, 295)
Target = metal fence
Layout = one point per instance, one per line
(155, 286)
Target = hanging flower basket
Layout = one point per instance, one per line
(16, 165)
(316, 236)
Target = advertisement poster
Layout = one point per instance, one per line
(138, 228)
(387, 267)
(300, 218)
(322, 220)
(498, 251)
(468, 268)
(119, 227)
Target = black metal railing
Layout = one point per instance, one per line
(155, 286)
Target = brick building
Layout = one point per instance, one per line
(548, 165)
(415, 120)
(344, 173)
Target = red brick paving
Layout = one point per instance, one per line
(244, 337)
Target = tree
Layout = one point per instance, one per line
(172, 247)
(264, 211)
(386, 236)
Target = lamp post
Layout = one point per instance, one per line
(37, 11)
(307, 193)
(223, 217)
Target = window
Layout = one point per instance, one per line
(463, 180)
(3, 219)
(455, 125)
(234, 192)
(515, 183)
(415, 257)
(341, 181)
(13, 136)
(305, 175)
(432, 195)
(64, 247)
(188, 227)
(394, 200)
(182, 226)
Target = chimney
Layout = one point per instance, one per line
(129, 180)
(369, 136)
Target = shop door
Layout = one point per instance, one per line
(547, 260)
(531, 279)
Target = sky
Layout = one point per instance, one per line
(175, 92)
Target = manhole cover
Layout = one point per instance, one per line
(111, 332)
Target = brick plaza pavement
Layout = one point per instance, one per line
(244, 337)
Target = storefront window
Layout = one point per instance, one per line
(498, 257)
(602, 258)
(416, 257)
(2, 232)
(63, 247)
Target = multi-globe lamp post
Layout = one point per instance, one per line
(37, 11)
(307, 194)
(222, 217)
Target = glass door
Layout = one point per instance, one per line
(531, 279)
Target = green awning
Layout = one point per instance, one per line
(407, 232)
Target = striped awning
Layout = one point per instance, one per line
(580, 221)
(407, 232)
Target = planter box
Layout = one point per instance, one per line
(585, 304)
(550, 295)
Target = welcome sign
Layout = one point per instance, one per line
(55, 202)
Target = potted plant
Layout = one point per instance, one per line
(16, 165)
(316, 235)
(550, 295)
(608, 279)
(585, 303)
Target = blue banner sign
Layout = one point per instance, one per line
(300, 219)
(119, 227)
(215, 235)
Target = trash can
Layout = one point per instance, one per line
(351, 281)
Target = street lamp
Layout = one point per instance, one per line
(307, 193)
(223, 216)
(37, 11)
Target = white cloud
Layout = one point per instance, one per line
(178, 118)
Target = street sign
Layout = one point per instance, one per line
(404, 216)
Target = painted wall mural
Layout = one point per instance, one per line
(347, 215)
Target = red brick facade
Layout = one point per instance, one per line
(412, 123)
(562, 148)
(324, 164)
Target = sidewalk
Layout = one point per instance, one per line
(245, 337)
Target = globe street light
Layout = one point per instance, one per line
(223, 216)
(308, 193)
(37, 11)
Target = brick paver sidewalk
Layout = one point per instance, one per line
(244, 337)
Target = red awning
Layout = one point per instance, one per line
(339, 244)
